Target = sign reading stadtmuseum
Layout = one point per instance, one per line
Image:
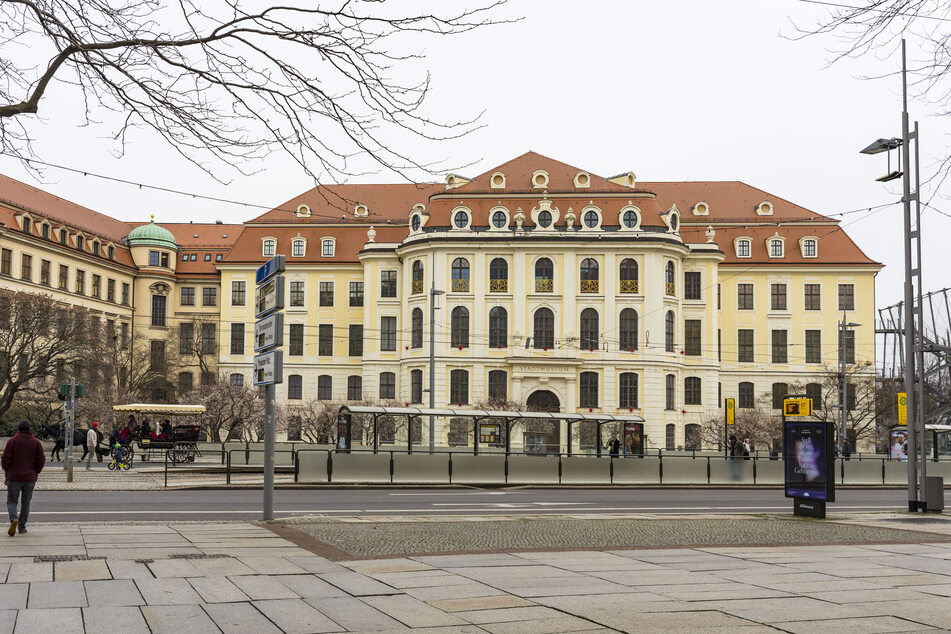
(269, 332)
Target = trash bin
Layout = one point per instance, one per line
(934, 493)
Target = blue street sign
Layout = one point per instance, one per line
(270, 268)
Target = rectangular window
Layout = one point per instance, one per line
(849, 345)
(692, 391)
(745, 396)
(719, 296)
(26, 267)
(777, 297)
(81, 283)
(63, 236)
(498, 385)
(63, 277)
(459, 387)
(80, 242)
(388, 333)
(95, 245)
(209, 296)
(325, 340)
(387, 385)
(356, 341)
(846, 296)
(27, 225)
(186, 338)
(295, 387)
(46, 232)
(813, 346)
(295, 344)
(153, 258)
(356, 293)
(238, 292)
(209, 337)
(327, 248)
(627, 392)
(812, 297)
(188, 296)
(670, 392)
(744, 296)
(158, 305)
(297, 293)
(692, 285)
(125, 294)
(185, 382)
(589, 389)
(780, 346)
(237, 338)
(6, 260)
(157, 355)
(326, 294)
(96, 285)
(354, 388)
(692, 337)
(744, 345)
(850, 396)
(45, 271)
(165, 259)
(124, 334)
(780, 390)
(111, 253)
(387, 283)
(111, 290)
(719, 344)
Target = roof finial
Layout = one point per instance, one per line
(153, 218)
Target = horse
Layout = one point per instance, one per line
(79, 440)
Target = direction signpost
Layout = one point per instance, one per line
(269, 364)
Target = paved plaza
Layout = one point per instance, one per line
(243, 577)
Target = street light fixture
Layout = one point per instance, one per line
(886, 145)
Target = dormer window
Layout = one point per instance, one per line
(80, 242)
(544, 218)
(327, 246)
(361, 211)
(775, 248)
(743, 248)
(582, 179)
(415, 222)
(809, 247)
(540, 179)
(207, 257)
(303, 211)
(297, 247)
(765, 208)
(591, 219)
(461, 218)
(95, 248)
(269, 247)
(111, 252)
(701, 209)
(63, 236)
(27, 224)
(497, 181)
(46, 231)
(218, 257)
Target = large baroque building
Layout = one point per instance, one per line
(553, 287)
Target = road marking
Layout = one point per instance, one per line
(449, 494)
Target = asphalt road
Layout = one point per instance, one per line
(245, 504)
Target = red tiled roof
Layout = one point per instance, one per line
(334, 204)
(727, 201)
(349, 242)
(834, 245)
(518, 177)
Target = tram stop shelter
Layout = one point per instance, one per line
(480, 416)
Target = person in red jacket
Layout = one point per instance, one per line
(23, 459)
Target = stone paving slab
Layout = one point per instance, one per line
(296, 616)
(115, 593)
(217, 590)
(59, 620)
(127, 620)
(57, 594)
(239, 618)
(176, 619)
(354, 615)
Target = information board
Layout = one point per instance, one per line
(810, 460)
(269, 332)
(269, 368)
(269, 297)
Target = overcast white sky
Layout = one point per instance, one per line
(674, 90)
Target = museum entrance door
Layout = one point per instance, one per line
(542, 436)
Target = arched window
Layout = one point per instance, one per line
(589, 329)
(627, 391)
(417, 277)
(692, 390)
(387, 385)
(417, 328)
(589, 389)
(498, 276)
(297, 248)
(415, 223)
(459, 387)
(544, 336)
(325, 387)
(589, 275)
(745, 395)
(269, 247)
(460, 275)
(236, 379)
(544, 276)
(669, 331)
(670, 437)
(460, 327)
(415, 386)
(499, 220)
(670, 392)
(498, 386)
(498, 327)
(669, 278)
(295, 387)
(628, 275)
(627, 329)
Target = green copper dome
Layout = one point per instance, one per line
(152, 235)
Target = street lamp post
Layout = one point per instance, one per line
(917, 496)
(844, 328)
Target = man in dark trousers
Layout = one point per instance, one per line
(23, 459)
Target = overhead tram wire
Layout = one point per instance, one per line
(839, 5)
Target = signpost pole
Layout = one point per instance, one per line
(269, 407)
(70, 425)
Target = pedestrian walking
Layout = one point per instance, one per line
(92, 441)
(736, 454)
(23, 459)
(846, 449)
(614, 446)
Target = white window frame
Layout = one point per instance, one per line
(264, 249)
(303, 247)
(323, 247)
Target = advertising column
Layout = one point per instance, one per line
(269, 362)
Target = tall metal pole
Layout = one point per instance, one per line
(909, 296)
(842, 382)
(920, 345)
(432, 359)
(69, 427)
(269, 407)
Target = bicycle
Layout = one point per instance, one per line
(119, 458)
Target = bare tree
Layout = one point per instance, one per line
(233, 80)
(231, 411)
(39, 339)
